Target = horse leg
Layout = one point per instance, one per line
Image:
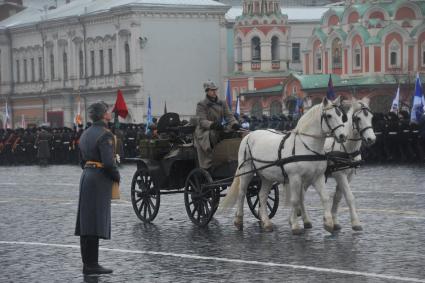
(336, 200)
(319, 185)
(244, 182)
(266, 186)
(349, 198)
(304, 213)
(295, 186)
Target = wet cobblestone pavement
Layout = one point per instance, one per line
(37, 217)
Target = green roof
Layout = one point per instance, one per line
(320, 34)
(315, 81)
(364, 33)
(277, 89)
(416, 29)
(320, 81)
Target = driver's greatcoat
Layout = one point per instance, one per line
(209, 111)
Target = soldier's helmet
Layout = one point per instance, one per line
(209, 85)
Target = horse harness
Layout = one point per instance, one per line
(280, 162)
(345, 160)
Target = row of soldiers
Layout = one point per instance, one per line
(397, 140)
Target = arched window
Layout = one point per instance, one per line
(18, 71)
(40, 69)
(255, 49)
(336, 53)
(52, 67)
(357, 57)
(394, 54)
(275, 108)
(101, 63)
(127, 57)
(92, 61)
(239, 50)
(25, 71)
(318, 60)
(275, 49)
(81, 63)
(32, 70)
(110, 60)
(257, 110)
(65, 66)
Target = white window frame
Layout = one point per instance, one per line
(357, 51)
(394, 46)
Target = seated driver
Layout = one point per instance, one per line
(213, 116)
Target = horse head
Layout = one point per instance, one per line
(333, 119)
(362, 121)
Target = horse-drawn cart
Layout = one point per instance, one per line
(169, 165)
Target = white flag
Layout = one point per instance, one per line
(7, 118)
(396, 101)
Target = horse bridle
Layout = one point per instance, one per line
(338, 111)
(356, 119)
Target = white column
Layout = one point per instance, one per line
(371, 59)
(266, 56)
(246, 56)
(416, 49)
(383, 55)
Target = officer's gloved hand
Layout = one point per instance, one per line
(216, 126)
(117, 158)
(236, 127)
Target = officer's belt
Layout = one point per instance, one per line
(93, 164)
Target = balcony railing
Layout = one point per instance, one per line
(255, 65)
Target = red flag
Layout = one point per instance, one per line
(120, 107)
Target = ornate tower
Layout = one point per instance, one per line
(261, 37)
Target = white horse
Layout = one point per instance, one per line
(265, 148)
(359, 125)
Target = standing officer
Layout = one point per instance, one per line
(211, 112)
(97, 151)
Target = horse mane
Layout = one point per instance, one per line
(313, 114)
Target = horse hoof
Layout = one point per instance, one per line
(337, 227)
(267, 227)
(308, 225)
(330, 229)
(297, 232)
(357, 228)
(238, 225)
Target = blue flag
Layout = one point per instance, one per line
(330, 94)
(417, 108)
(229, 96)
(149, 118)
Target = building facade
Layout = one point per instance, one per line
(80, 51)
(369, 47)
(267, 42)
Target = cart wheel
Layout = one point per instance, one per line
(201, 203)
(145, 195)
(254, 200)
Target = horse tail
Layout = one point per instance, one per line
(285, 200)
(232, 193)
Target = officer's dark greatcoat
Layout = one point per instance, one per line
(94, 207)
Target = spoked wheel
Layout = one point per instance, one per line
(201, 202)
(253, 198)
(145, 195)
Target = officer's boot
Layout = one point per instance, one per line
(91, 265)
